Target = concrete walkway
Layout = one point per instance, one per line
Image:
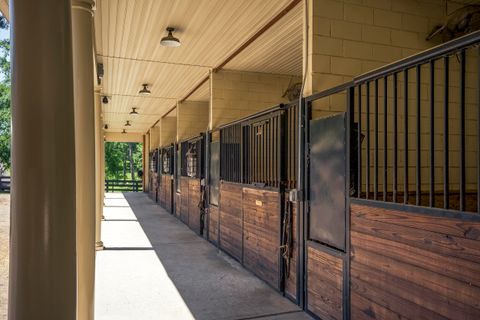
(155, 267)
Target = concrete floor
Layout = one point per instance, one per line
(155, 267)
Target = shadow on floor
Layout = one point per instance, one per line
(211, 284)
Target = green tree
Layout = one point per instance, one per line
(122, 160)
(5, 100)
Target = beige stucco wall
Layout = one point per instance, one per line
(168, 130)
(237, 94)
(348, 38)
(155, 137)
(192, 119)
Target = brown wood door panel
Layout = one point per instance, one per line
(324, 284)
(231, 219)
(261, 238)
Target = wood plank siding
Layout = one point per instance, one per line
(291, 277)
(231, 219)
(178, 206)
(324, 284)
(261, 234)
(193, 201)
(411, 266)
(184, 203)
(165, 192)
(213, 224)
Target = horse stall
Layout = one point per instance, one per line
(251, 216)
(166, 164)
(393, 232)
(154, 176)
(192, 183)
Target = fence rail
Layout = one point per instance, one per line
(123, 185)
(5, 183)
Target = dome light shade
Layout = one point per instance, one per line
(128, 124)
(134, 111)
(170, 40)
(124, 131)
(145, 91)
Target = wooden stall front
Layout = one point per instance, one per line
(412, 265)
(256, 223)
(154, 182)
(190, 197)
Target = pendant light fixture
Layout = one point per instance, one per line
(145, 91)
(124, 131)
(128, 123)
(170, 40)
(134, 111)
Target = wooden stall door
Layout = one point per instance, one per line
(261, 234)
(194, 195)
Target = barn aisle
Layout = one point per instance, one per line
(155, 267)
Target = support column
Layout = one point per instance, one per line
(102, 149)
(42, 249)
(98, 172)
(146, 156)
(82, 22)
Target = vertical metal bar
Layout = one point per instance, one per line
(375, 137)
(385, 151)
(418, 163)
(359, 143)
(432, 133)
(395, 140)
(462, 130)
(446, 165)
(367, 175)
(405, 113)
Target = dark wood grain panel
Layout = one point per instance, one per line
(402, 266)
(213, 224)
(231, 230)
(168, 190)
(291, 277)
(261, 233)
(324, 284)
(153, 186)
(193, 201)
(184, 203)
(445, 244)
(178, 200)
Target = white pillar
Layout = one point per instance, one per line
(42, 249)
(98, 173)
(82, 23)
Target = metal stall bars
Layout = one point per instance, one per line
(439, 126)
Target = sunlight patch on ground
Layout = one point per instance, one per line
(132, 284)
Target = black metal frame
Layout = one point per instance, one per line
(198, 143)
